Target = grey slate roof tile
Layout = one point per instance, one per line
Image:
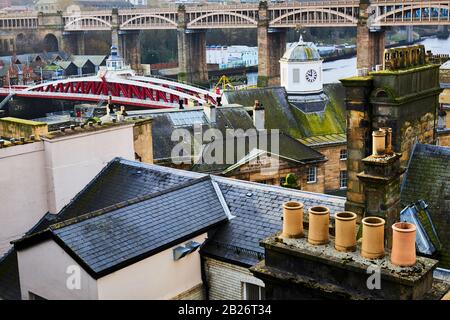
(428, 179)
(143, 226)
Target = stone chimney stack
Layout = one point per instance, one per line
(381, 182)
(210, 112)
(259, 116)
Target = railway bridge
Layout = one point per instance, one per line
(67, 30)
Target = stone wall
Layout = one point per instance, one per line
(143, 141)
(225, 280)
(333, 166)
(16, 128)
(300, 171)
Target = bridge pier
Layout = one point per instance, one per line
(271, 47)
(192, 63)
(409, 34)
(130, 46)
(370, 42)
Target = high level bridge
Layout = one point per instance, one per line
(67, 31)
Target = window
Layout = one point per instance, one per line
(312, 175)
(253, 292)
(296, 76)
(343, 155)
(343, 179)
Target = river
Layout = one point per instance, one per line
(335, 70)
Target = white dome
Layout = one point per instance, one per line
(302, 51)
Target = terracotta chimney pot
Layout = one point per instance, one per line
(319, 220)
(403, 244)
(292, 220)
(379, 143)
(345, 225)
(373, 238)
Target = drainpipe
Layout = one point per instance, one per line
(204, 277)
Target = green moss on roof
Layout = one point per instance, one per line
(405, 70)
(280, 114)
(22, 121)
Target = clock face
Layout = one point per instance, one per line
(311, 75)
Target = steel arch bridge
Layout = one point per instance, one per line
(136, 91)
(284, 15)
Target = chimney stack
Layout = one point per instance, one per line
(210, 112)
(259, 116)
(381, 181)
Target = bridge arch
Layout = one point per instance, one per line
(50, 43)
(73, 24)
(347, 17)
(154, 16)
(408, 9)
(250, 21)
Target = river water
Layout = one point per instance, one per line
(335, 70)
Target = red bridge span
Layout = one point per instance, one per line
(147, 92)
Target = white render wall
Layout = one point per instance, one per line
(43, 272)
(225, 280)
(158, 277)
(23, 191)
(44, 176)
(73, 161)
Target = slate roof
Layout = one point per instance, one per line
(289, 149)
(226, 118)
(9, 277)
(258, 210)
(428, 179)
(112, 238)
(281, 114)
(318, 141)
(121, 180)
(133, 192)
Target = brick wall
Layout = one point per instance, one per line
(225, 280)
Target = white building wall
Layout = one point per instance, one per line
(288, 69)
(73, 161)
(44, 176)
(158, 277)
(43, 271)
(226, 281)
(23, 196)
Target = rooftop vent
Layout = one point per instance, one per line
(72, 126)
(82, 125)
(190, 247)
(91, 124)
(62, 129)
(22, 139)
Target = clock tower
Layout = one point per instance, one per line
(301, 70)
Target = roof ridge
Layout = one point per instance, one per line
(124, 204)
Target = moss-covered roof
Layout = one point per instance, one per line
(428, 179)
(22, 121)
(280, 114)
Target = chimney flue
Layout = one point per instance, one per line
(379, 143)
(259, 116)
(292, 220)
(210, 112)
(389, 149)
